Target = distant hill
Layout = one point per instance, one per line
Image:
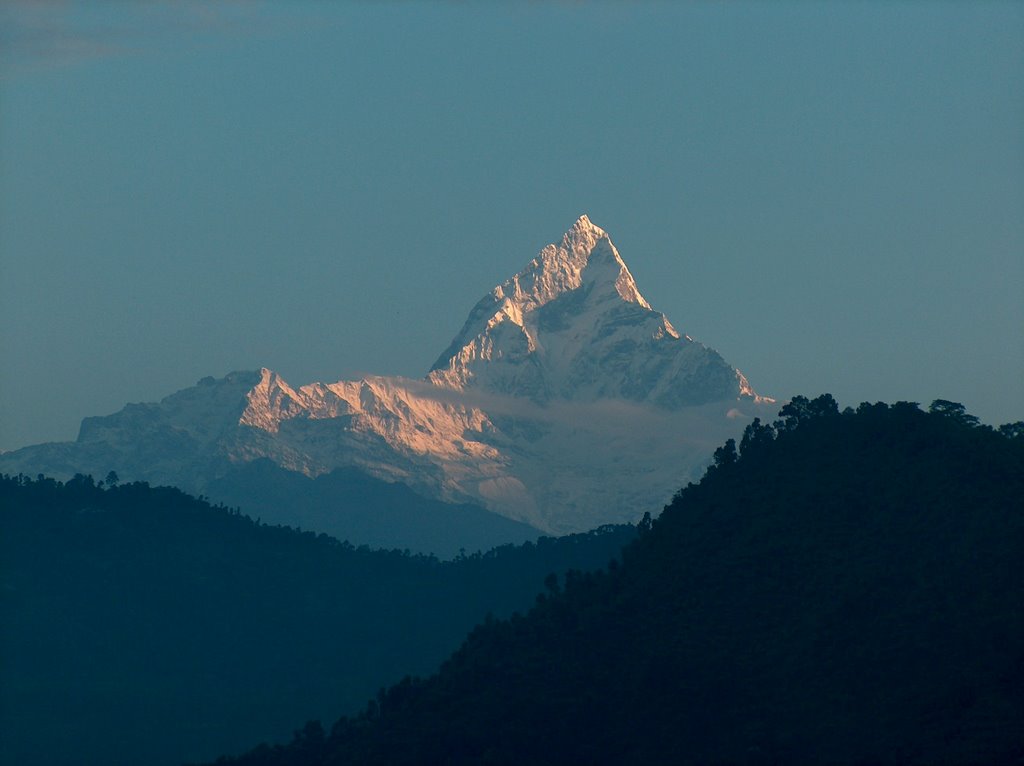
(142, 625)
(845, 588)
(351, 505)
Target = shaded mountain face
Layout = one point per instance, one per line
(564, 403)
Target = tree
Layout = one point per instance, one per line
(795, 410)
(1012, 430)
(952, 410)
(911, 407)
(726, 454)
(755, 436)
(824, 406)
(645, 524)
(800, 409)
(80, 482)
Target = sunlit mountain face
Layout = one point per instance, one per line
(565, 402)
(573, 326)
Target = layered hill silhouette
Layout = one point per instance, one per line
(349, 504)
(565, 402)
(843, 588)
(143, 625)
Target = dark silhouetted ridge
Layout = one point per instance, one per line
(143, 625)
(844, 588)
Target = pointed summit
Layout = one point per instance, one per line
(584, 226)
(573, 325)
(585, 258)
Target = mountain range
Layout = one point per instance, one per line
(565, 402)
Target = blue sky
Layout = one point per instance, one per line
(831, 195)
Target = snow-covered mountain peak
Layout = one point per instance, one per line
(270, 401)
(573, 325)
(585, 257)
(585, 227)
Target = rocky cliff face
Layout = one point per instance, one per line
(566, 402)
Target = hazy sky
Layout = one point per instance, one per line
(831, 195)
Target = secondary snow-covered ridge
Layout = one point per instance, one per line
(565, 401)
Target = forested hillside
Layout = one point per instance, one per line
(142, 625)
(843, 588)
